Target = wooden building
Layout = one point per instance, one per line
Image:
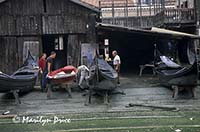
(147, 13)
(44, 26)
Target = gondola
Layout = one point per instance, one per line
(23, 80)
(102, 80)
(102, 74)
(178, 76)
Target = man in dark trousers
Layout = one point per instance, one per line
(48, 69)
(42, 63)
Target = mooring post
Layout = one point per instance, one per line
(175, 92)
(49, 91)
(193, 92)
(106, 98)
(16, 95)
(89, 96)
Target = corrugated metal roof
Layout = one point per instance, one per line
(154, 31)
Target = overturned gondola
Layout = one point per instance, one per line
(102, 79)
(23, 80)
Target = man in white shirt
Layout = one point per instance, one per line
(116, 63)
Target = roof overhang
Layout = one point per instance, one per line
(78, 2)
(174, 33)
(158, 32)
(2, 1)
(93, 8)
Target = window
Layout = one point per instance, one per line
(59, 43)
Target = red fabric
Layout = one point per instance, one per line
(42, 63)
(66, 69)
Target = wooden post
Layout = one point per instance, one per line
(140, 3)
(137, 9)
(175, 92)
(113, 12)
(154, 7)
(49, 91)
(126, 12)
(106, 98)
(150, 2)
(16, 95)
(68, 88)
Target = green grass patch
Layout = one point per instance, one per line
(155, 121)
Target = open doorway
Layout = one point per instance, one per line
(133, 49)
(57, 43)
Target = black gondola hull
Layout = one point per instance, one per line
(22, 80)
(178, 77)
(103, 76)
(23, 84)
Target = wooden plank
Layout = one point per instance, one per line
(8, 61)
(59, 24)
(74, 49)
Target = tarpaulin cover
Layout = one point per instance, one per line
(169, 62)
(107, 76)
(106, 70)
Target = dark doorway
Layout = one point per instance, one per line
(134, 49)
(57, 43)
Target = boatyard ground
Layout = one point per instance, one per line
(146, 107)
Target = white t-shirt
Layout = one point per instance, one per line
(116, 60)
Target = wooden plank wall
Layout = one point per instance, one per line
(20, 19)
(20, 25)
(9, 54)
(27, 17)
(29, 25)
(5, 8)
(7, 25)
(74, 49)
(63, 24)
(25, 7)
(64, 17)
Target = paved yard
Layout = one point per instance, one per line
(145, 107)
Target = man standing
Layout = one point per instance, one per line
(42, 63)
(49, 67)
(116, 63)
